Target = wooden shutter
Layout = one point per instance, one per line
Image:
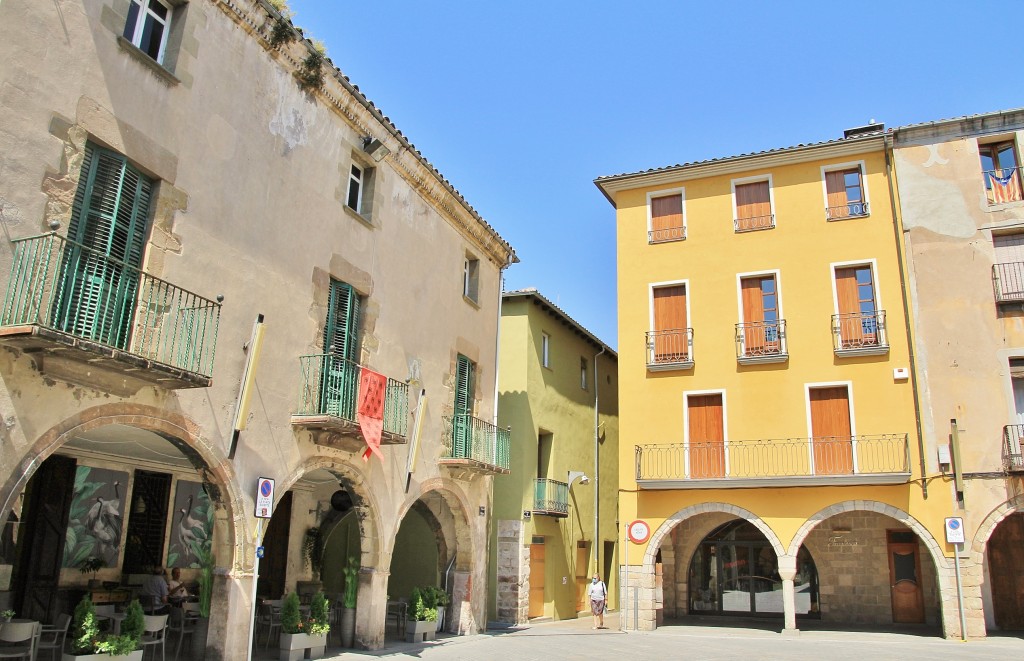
(667, 217)
(341, 348)
(670, 338)
(850, 327)
(753, 316)
(753, 206)
(1009, 248)
(830, 429)
(835, 184)
(706, 435)
(462, 441)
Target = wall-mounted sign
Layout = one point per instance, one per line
(265, 498)
(639, 531)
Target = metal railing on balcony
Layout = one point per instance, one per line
(1003, 185)
(550, 497)
(848, 210)
(761, 341)
(667, 349)
(466, 437)
(1008, 282)
(666, 234)
(775, 459)
(1013, 460)
(754, 223)
(330, 386)
(70, 288)
(859, 332)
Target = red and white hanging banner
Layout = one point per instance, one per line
(370, 410)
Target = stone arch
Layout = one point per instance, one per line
(365, 505)
(704, 508)
(460, 532)
(208, 459)
(879, 508)
(988, 526)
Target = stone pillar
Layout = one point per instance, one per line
(230, 616)
(638, 597)
(371, 608)
(787, 570)
(513, 589)
(463, 622)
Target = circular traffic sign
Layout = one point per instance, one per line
(265, 488)
(639, 531)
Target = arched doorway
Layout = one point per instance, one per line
(735, 571)
(1004, 557)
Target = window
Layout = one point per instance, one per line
(666, 220)
(583, 373)
(845, 192)
(1002, 175)
(544, 446)
(340, 370)
(471, 278)
(831, 431)
(1008, 270)
(859, 323)
(355, 189)
(761, 334)
(669, 341)
(753, 202)
(148, 26)
(705, 435)
(462, 423)
(545, 350)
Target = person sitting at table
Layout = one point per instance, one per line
(154, 591)
(176, 590)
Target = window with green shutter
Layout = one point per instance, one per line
(465, 373)
(101, 267)
(341, 352)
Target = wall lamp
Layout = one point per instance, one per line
(375, 148)
(573, 475)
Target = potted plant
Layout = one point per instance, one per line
(87, 643)
(318, 625)
(422, 624)
(348, 613)
(91, 566)
(202, 624)
(438, 599)
(7, 615)
(294, 640)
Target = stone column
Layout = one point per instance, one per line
(230, 616)
(787, 570)
(513, 589)
(371, 607)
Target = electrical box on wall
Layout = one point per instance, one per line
(944, 457)
(900, 374)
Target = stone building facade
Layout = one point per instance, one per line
(212, 233)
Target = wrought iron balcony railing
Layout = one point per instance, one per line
(1008, 282)
(761, 342)
(754, 223)
(848, 210)
(670, 349)
(666, 234)
(550, 497)
(473, 440)
(859, 333)
(1002, 185)
(1013, 460)
(71, 289)
(330, 387)
(874, 459)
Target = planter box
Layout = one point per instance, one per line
(134, 656)
(295, 646)
(417, 631)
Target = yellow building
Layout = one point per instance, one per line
(769, 428)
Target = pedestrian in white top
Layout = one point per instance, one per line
(597, 591)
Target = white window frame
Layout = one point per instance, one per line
(667, 192)
(140, 25)
(686, 425)
(753, 180)
(471, 279)
(359, 181)
(810, 426)
(545, 350)
(835, 167)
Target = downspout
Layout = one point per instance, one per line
(597, 471)
(896, 225)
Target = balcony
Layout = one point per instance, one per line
(1008, 282)
(670, 349)
(667, 234)
(550, 498)
(754, 223)
(472, 446)
(860, 334)
(87, 318)
(1013, 460)
(848, 210)
(328, 398)
(788, 462)
(761, 342)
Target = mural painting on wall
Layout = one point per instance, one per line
(191, 527)
(95, 520)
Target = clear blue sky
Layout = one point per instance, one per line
(521, 104)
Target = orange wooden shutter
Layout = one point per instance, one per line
(835, 184)
(753, 204)
(667, 217)
(830, 429)
(753, 311)
(670, 315)
(851, 329)
(706, 436)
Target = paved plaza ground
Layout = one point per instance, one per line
(690, 640)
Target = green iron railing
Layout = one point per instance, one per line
(466, 437)
(68, 287)
(550, 496)
(330, 386)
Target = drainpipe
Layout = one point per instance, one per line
(906, 311)
(597, 471)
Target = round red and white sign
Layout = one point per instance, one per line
(639, 531)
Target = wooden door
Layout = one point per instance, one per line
(905, 578)
(1006, 557)
(670, 339)
(855, 291)
(830, 431)
(536, 580)
(582, 573)
(760, 316)
(706, 436)
(274, 564)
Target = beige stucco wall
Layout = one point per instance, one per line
(252, 174)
